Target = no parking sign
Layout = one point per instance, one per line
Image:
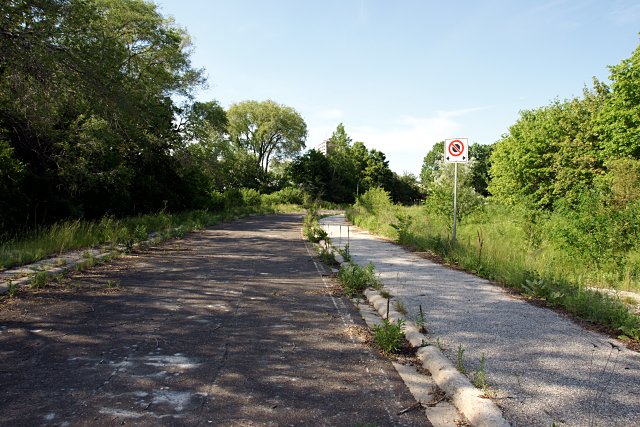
(456, 150)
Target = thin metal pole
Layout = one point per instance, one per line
(455, 199)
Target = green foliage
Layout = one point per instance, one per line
(39, 279)
(355, 279)
(389, 336)
(480, 156)
(375, 200)
(400, 308)
(267, 130)
(405, 189)
(402, 225)
(328, 257)
(431, 164)
(480, 376)
(460, 360)
(440, 193)
(60, 237)
(86, 107)
(12, 289)
(420, 321)
(344, 252)
(550, 154)
(495, 244)
(288, 195)
(311, 229)
(619, 120)
(311, 171)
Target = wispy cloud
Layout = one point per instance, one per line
(626, 14)
(330, 114)
(412, 137)
(405, 141)
(414, 133)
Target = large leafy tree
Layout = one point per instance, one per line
(86, 107)
(431, 164)
(619, 121)
(312, 173)
(343, 179)
(551, 154)
(440, 192)
(267, 130)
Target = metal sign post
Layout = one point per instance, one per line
(455, 198)
(456, 151)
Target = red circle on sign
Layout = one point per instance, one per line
(456, 147)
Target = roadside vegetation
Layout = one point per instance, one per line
(102, 143)
(551, 210)
(493, 244)
(123, 233)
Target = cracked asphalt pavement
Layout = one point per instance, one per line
(233, 325)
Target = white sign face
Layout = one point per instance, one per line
(456, 150)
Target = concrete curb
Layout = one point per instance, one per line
(49, 271)
(479, 411)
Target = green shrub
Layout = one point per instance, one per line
(251, 197)
(519, 249)
(389, 336)
(288, 195)
(217, 201)
(355, 279)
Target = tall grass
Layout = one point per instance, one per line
(70, 235)
(503, 245)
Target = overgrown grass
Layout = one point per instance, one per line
(503, 245)
(71, 235)
(355, 279)
(389, 336)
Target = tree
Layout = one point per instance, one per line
(343, 181)
(551, 153)
(481, 156)
(311, 171)
(405, 188)
(85, 103)
(440, 192)
(619, 121)
(431, 164)
(266, 130)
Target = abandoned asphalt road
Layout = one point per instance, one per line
(230, 326)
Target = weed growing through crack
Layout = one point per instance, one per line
(480, 375)
(386, 294)
(12, 289)
(112, 284)
(400, 308)
(460, 360)
(388, 336)
(600, 385)
(38, 280)
(328, 257)
(355, 279)
(420, 321)
(346, 255)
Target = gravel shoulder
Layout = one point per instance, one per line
(230, 326)
(542, 367)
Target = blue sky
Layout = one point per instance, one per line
(404, 75)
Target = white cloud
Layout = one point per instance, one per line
(406, 141)
(330, 114)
